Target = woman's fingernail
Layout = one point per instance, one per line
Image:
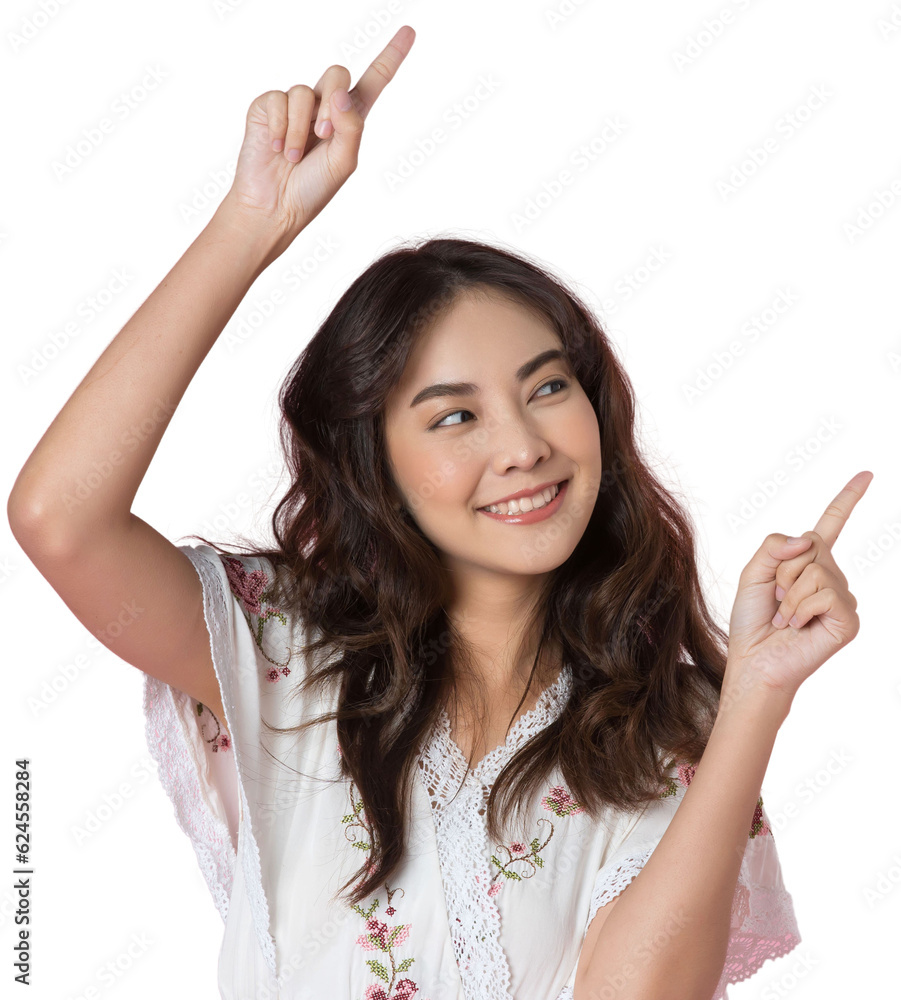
(793, 541)
(342, 99)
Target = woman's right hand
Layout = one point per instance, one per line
(289, 166)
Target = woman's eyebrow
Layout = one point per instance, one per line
(470, 388)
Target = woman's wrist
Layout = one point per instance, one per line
(743, 692)
(258, 238)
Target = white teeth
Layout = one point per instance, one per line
(524, 504)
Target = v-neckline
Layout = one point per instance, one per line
(544, 711)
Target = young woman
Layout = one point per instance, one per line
(444, 739)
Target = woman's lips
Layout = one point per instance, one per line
(531, 516)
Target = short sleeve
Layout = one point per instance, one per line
(763, 926)
(202, 760)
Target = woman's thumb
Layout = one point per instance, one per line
(347, 123)
(341, 99)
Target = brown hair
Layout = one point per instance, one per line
(625, 610)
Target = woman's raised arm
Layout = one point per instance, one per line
(70, 507)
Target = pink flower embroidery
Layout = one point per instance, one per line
(759, 825)
(252, 592)
(559, 801)
(686, 772)
(405, 990)
(218, 742)
(249, 588)
(529, 855)
(380, 936)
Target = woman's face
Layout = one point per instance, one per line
(453, 453)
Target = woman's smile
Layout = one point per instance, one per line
(546, 510)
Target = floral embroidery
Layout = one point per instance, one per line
(686, 772)
(356, 819)
(517, 851)
(759, 825)
(220, 741)
(383, 937)
(379, 935)
(252, 592)
(558, 801)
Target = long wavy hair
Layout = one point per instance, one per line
(625, 610)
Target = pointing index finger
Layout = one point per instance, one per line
(381, 70)
(836, 515)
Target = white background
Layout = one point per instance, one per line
(802, 406)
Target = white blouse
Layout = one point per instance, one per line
(462, 919)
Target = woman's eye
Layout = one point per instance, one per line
(554, 381)
(443, 421)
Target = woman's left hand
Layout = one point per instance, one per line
(802, 583)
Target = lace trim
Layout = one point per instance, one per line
(767, 931)
(177, 772)
(463, 850)
(215, 613)
(609, 884)
(548, 706)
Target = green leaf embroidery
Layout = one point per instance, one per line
(378, 969)
(377, 934)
